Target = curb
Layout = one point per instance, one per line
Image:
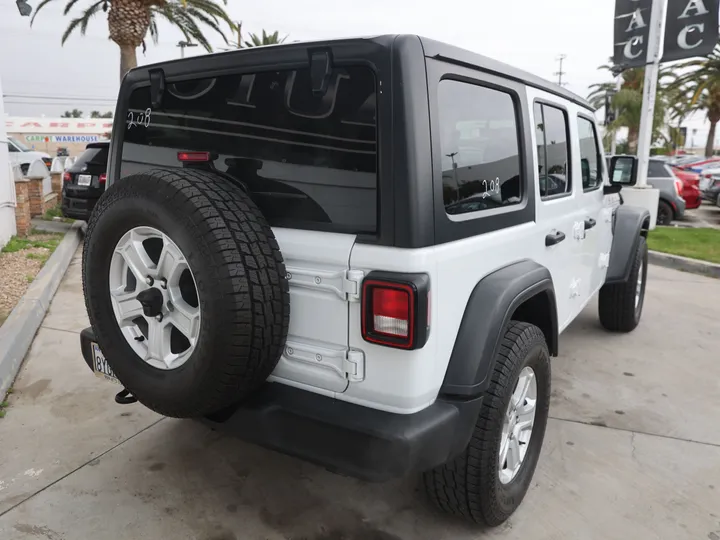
(18, 331)
(684, 264)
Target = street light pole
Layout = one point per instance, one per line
(182, 45)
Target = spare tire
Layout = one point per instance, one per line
(186, 291)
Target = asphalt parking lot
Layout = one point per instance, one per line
(632, 449)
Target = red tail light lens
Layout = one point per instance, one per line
(193, 157)
(103, 178)
(395, 310)
(66, 177)
(391, 311)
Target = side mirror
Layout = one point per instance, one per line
(623, 170)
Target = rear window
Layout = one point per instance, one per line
(93, 156)
(308, 161)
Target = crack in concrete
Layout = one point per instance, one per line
(634, 432)
(64, 476)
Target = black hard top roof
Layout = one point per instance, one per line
(432, 49)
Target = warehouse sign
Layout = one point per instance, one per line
(63, 138)
(691, 29)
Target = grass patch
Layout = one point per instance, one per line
(702, 244)
(30, 278)
(19, 244)
(3, 408)
(37, 256)
(55, 212)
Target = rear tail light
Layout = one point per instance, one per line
(66, 177)
(395, 309)
(193, 157)
(102, 178)
(678, 187)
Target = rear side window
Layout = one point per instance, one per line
(657, 169)
(551, 130)
(308, 161)
(93, 156)
(479, 142)
(590, 167)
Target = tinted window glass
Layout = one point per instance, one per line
(93, 156)
(551, 130)
(656, 169)
(479, 142)
(590, 167)
(308, 161)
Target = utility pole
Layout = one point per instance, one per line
(182, 45)
(560, 71)
(649, 90)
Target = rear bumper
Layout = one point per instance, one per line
(77, 208)
(343, 437)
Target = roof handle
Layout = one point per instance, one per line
(320, 70)
(157, 87)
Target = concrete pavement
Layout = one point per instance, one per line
(631, 452)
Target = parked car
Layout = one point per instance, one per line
(62, 152)
(288, 177)
(712, 192)
(24, 156)
(84, 182)
(661, 176)
(690, 187)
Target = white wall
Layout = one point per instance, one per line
(7, 185)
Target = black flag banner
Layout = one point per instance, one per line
(632, 24)
(691, 29)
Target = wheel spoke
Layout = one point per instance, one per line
(513, 454)
(127, 307)
(171, 263)
(186, 319)
(158, 347)
(525, 381)
(504, 445)
(135, 256)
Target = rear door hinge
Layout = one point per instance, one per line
(354, 365)
(351, 285)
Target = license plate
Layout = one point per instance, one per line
(84, 179)
(100, 366)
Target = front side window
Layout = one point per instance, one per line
(479, 143)
(657, 169)
(590, 167)
(551, 130)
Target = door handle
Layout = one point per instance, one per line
(552, 239)
(589, 223)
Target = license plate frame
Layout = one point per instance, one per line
(100, 366)
(84, 179)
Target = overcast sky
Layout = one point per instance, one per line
(529, 34)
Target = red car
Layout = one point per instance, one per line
(690, 186)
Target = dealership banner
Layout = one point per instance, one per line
(71, 126)
(691, 29)
(632, 26)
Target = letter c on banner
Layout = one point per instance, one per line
(683, 35)
(627, 50)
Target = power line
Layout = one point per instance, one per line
(15, 97)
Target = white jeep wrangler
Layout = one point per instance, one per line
(359, 252)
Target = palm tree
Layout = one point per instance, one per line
(700, 85)
(129, 21)
(266, 39)
(628, 102)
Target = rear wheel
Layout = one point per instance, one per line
(620, 304)
(665, 213)
(488, 481)
(186, 291)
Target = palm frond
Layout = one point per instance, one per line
(41, 5)
(82, 21)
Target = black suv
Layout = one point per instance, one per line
(84, 182)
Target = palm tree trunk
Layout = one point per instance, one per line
(128, 59)
(632, 139)
(710, 145)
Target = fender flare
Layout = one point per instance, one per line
(489, 309)
(629, 223)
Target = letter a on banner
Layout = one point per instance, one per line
(632, 19)
(691, 29)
